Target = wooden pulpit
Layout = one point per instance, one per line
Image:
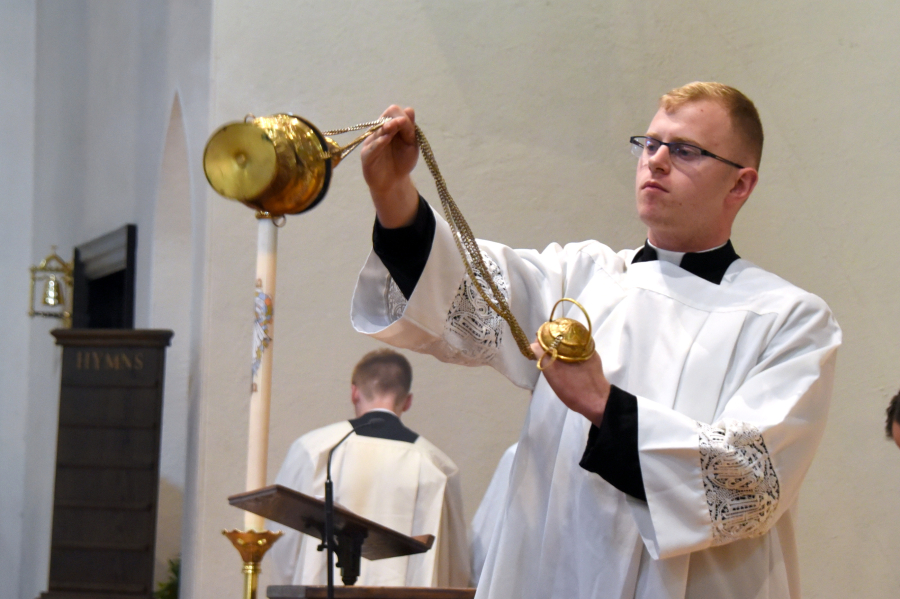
(357, 537)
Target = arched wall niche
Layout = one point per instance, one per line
(171, 289)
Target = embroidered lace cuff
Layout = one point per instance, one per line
(741, 485)
(472, 327)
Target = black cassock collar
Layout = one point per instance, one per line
(390, 427)
(710, 265)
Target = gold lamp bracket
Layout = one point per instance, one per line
(53, 278)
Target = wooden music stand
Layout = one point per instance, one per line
(320, 592)
(356, 536)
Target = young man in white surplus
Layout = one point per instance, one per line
(668, 464)
(384, 472)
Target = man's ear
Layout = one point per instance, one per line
(407, 403)
(354, 395)
(743, 187)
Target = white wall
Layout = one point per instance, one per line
(171, 292)
(87, 122)
(528, 107)
(17, 71)
(59, 100)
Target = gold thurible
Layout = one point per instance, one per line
(279, 164)
(566, 339)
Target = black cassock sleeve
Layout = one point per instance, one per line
(612, 449)
(404, 251)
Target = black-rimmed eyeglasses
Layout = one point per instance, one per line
(678, 150)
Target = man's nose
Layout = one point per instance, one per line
(660, 160)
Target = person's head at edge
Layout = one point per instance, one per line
(381, 379)
(690, 206)
(892, 425)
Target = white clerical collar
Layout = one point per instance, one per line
(391, 412)
(675, 257)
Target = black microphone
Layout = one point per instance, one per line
(328, 541)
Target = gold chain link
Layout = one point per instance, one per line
(462, 235)
(343, 151)
(374, 123)
(470, 252)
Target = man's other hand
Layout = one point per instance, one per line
(582, 386)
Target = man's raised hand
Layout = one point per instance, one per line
(388, 157)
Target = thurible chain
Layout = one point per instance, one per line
(470, 252)
(462, 235)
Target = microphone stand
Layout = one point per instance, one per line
(328, 534)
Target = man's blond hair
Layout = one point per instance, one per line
(740, 108)
(383, 371)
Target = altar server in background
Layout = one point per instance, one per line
(384, 472)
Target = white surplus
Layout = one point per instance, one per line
(732, 382)
(487, 516)
(412, 488)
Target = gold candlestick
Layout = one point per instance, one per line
(252, 546)
(276, 165)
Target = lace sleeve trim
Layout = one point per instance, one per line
(396, 301)
(472, 328)
(741, 485)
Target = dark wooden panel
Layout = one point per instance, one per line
(109, 569)
(158, 338)
(106, 487)
(91, 594)
(127, 530)
(107, 447)
(109, 407)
